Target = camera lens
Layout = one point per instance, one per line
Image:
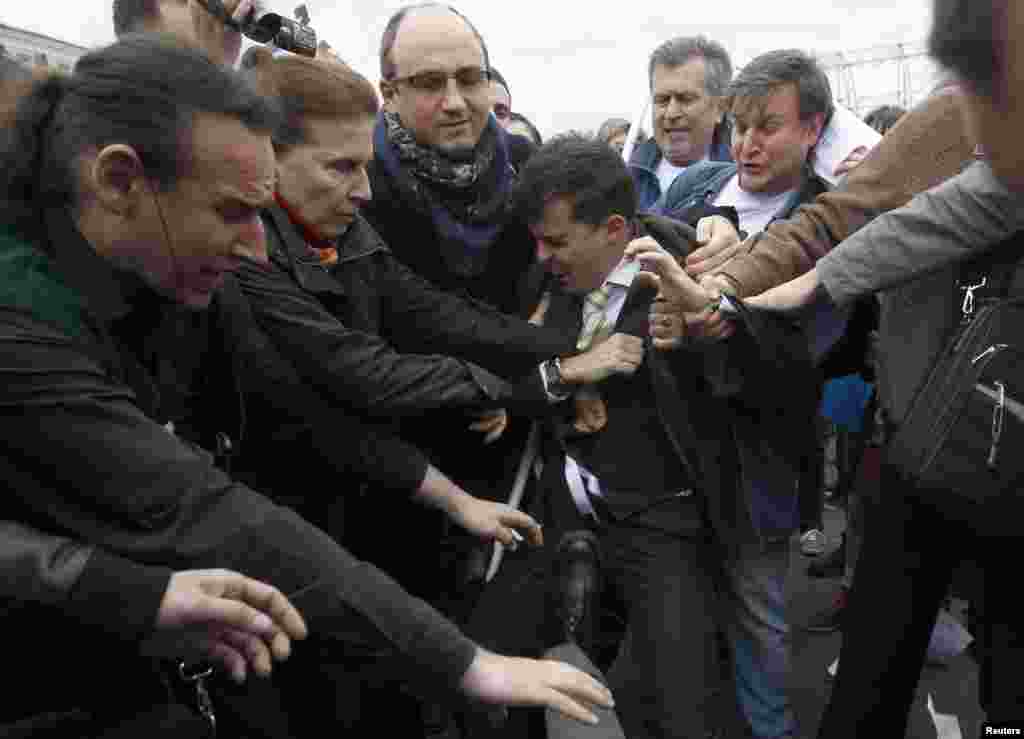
(265, 28)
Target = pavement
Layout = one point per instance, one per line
(953, 689)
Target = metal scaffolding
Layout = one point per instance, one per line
(862, 79)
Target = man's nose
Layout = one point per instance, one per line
(749, 142)
(674, 108)
(453, 98)
(362, 193)
(252, 242)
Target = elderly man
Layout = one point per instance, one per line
(687, 77)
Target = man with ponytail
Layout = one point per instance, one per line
(130, 188)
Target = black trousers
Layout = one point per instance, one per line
(665, 676)
(913, 542)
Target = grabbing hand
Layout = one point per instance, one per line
(515, 681)
(710, 324)
(717, 240)
(210, 33)
(619, 354)
(226, 617)
(789, 296)
(664, 273)
(491, 423)
(496, 521)
(682, 307)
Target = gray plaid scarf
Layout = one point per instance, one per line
(434, 166)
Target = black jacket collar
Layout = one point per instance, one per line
(358, 241)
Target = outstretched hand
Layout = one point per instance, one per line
(683, 308)
(225, 617)
(491, 424)
(496, 521)
(516, 681)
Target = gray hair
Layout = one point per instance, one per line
(612, 127)
(678, 51)
(766, 73)
(962, 40)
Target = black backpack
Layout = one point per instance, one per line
(961, 443)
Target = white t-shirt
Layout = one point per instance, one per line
(755, 210)
(667, 173)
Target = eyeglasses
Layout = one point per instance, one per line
(434, 82)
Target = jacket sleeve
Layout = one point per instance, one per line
(425, 317)
(372, 452)
(90, 586)
(938, 227)
(928, 146)
(358, 369)
(125, 484)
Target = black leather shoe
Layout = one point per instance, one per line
(577, 584)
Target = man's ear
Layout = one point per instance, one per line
(721, 103)
(117, 179)
(815, 126)
(617, 227)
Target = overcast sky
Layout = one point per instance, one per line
(570, 64)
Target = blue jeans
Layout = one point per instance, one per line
(759, 633)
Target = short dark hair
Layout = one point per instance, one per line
(678, 51)
(143, 91)
(884, 117)
(575, 166)
(130, 15)
(387, 40)
(766, 73)
(962, 39)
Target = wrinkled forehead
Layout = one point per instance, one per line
(228, 157)
(679, 78)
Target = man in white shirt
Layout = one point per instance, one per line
(778, 105)
(688, 77)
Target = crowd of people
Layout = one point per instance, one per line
(334, 407)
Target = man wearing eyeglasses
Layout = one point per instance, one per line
(442, 173)
(441, 176)
(442, 168)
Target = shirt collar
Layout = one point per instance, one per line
(623, 273)
(110, 293)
